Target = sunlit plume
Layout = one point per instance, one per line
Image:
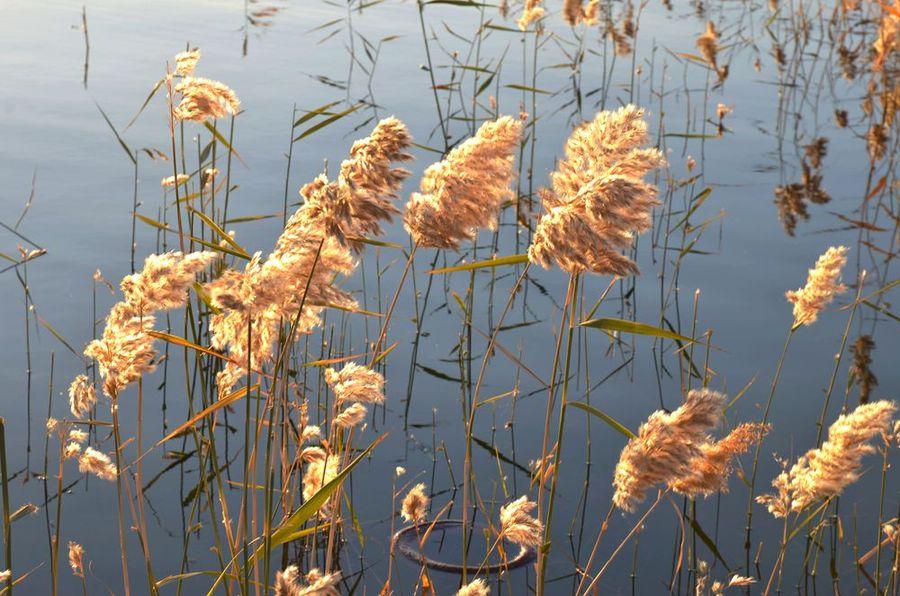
(415, 504)
(202, 99)
(518, 525)
(463, 193)
(822, 285)
(598, 199)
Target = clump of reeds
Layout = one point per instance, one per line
(295, 282)
(826, 471)
(598, 199)
(464, 191)
(822, 285)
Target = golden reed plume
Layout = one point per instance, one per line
(822, 285)
(575, 12)
(531, 12)
(477, 587)
(202, 99)
(598, 198)
(76, 558)
(125, 350)
(464, 191)
(827, 471)
(288, 583)
(665, 447)
(415, 504)
(311, 251)
(517, 524)
(708, 471)
(186, 62)
(82, 396)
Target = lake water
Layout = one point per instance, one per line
(56, 145)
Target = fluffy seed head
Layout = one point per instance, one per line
(98, 464)
(477, 587)
(186, 62)
(415, 504)
(517, 524)
(464, 191)
(76, 558)
(664, 447)
(822, 285)
(356, 383)
(202, 99)
(82, 396)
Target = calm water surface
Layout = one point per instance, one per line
(56, 143)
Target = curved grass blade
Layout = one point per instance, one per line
(624, 326)
(604, 417)
(496, 262)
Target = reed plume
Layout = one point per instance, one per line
(518, 526)
(826, 471)
(708, 471)
(321, 468)
(859, 370)
(464, 191)
(76, 558)
(356, 383)
(598, 200)
(665, 446)
(822, 285)
(362, 196)
(97, 463)
(82, 396)
(311, 251)
(288, 583)
(351, 416)
(202, 99)
(415, 504)
(186, 62)
(575, 12)
(477, 587)
(170, 181)
(887, 40)
(531, 12)
(125, 350)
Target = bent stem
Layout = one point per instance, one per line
(470, 424)
(765, 419)
(571, 303)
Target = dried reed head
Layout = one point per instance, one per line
(598, 199)
(76, 558)
(321, 468)
(708, 471)
(827, 471)
(464, 191)
(125, 350)
(517, 524)
(202, 99)
(665, 446)
(351, 416)
(415, 504)
(477, 587)
(97, 463)
(362, 196)
(532, 11)
(164, 280)
(82, 396)
(356, 383)
(288, 583)
(574, 12)
(186, 62)
(859, 370)
(822, 285)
